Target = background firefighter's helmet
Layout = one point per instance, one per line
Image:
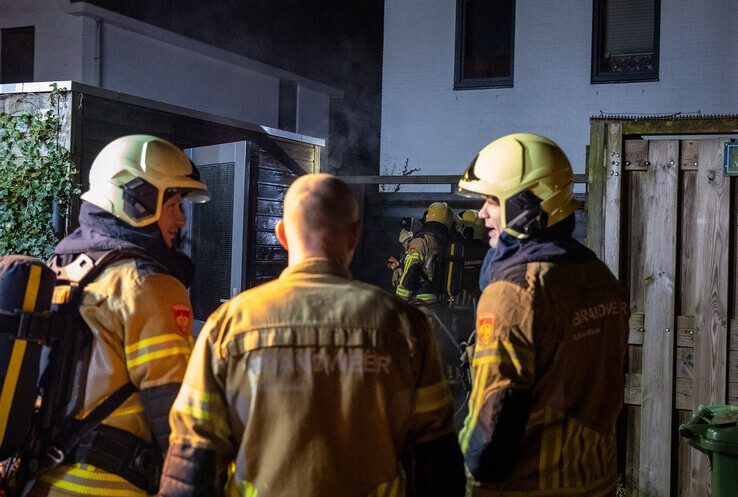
(472, 226)
(131, 174)
(439, 212)
(529, 176)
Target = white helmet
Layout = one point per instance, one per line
(130, 176)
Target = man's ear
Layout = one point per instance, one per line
(281, 235)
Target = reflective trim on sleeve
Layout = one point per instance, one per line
(157, 347)
(82, 479)
(402, 292)
(412, 258)
(432, 397)
(148, 342)
(203, 406)
(429, 298)
(392, 488)
(475, 405)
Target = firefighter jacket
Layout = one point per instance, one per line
(547, 370)
(140, 319)
(312, 385)
(420, 265)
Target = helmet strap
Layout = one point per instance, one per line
(523, 213)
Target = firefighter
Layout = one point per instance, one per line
(137, 310)
(552, 328)
(474, 239)
(418, 282)
(313, 384)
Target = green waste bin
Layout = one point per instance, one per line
(714, 431)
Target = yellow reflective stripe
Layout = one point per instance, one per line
(381, 490)
(412, 258)
(125, 411)
(427, 296)
(198, 395)
(249, 490)
(475, 405)
(158, 354)
(432, 397)
(78, 471)
(34, 281)
(169, 337)
(395, 490)
(402, 292)
(11, 381)
(92, 490)
(450, 269)
(193, 402)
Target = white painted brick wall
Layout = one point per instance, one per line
(440, 130)
(58, 37)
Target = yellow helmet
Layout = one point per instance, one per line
(439, 212)
(471, 222)
(529, 176)
(131, 174)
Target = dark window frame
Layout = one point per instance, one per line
(7, 75)
(598, 76)
(461, 83)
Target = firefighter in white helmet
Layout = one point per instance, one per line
(552, 328)
(137, 311)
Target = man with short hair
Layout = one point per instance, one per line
(552, 329)
(314, 384)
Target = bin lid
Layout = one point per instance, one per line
(714, 429)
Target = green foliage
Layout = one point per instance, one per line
(35, 173)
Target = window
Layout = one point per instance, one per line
(16, 55)
(625, 40)
(485, 34)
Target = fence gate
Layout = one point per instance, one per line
(662, 216)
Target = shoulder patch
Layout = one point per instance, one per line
(485, 327)
(182, 316)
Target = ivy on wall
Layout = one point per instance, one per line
(36, 174)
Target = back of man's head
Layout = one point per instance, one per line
(321, 219)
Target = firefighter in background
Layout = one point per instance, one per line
(419, 280)
(137, 310)
(552, 329)
(313, 384)
(474, 239)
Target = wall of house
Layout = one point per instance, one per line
(139, 60)
(440, 130)
(58, 37)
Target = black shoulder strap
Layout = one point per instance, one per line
(60, 448)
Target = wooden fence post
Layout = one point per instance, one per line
(658, 343)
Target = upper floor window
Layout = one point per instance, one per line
(485, 37)
(16, 54)
(625, 40)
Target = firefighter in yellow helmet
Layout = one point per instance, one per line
(418, 282)
(473, 238)
(137, 310)
(552, 327)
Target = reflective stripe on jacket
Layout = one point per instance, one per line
(548, 382)
(309, 385)
(142, 332)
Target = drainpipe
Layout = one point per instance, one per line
(98, 52)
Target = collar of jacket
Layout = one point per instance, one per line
(99, 232)
(554, 245)
(316, 265)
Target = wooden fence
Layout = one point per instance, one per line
(668, 231)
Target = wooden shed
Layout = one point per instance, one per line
(662, 215)
(247, 167)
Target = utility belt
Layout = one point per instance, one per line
(121, 453)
